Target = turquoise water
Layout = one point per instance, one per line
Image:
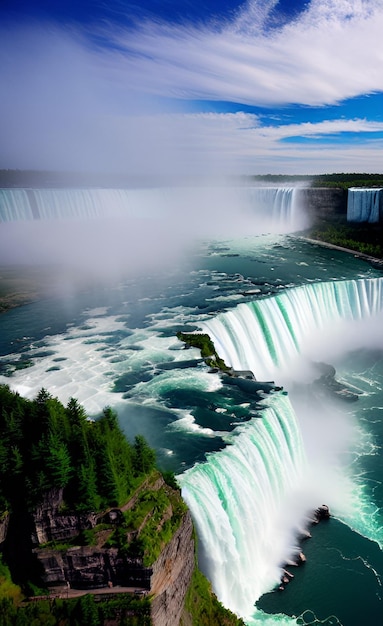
(115, 344)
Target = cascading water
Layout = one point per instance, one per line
(277, 208)
(264, 336)
(241, 499)
(15, 205)
(248, 500)
(279, 202)
(364, 205)
(53, 204)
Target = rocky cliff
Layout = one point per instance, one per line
(323, 203)
(65, 564)
(171, 576)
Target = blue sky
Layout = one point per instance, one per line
(174, 86)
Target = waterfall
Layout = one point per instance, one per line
(265, 335)
(15, 205)
(276, 208)
(55, 204)
(248, 500)
(364, 205)
(280, 204)
(241, 500)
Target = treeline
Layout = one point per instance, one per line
(344, 181)
(45, 445)
(10, 178)
(338, 180)
(125, 610)
(278, 178)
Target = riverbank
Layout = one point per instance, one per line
(358, 255)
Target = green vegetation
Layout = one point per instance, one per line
(205, 344)
(366, 239)
(47, 446)
(8, 590)
(202, 607)
(152, 522)
(44, 445)
(125, 610)
(339, 180)
(344, 181)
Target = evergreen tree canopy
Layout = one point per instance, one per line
(45, 445)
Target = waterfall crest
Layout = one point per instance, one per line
(265, 335)
(364, 205)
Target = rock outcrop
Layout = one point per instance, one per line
(88, 567)
(64, 565)
(49, 524)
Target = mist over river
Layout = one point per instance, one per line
(252, 464)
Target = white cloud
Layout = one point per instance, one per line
(331, 52)
(68, 104)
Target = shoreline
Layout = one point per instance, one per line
(355, 253)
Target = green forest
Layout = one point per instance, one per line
(339, 180)
(45, 445)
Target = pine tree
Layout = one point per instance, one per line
(58, 461)
(144, 456)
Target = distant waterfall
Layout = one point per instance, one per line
(364, 205)
(241, 501)
(248, 499)
(56, 204)
(265, 335)
(276, 209)
(280, 204)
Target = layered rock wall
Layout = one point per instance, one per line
(88, 567)
(97, 567)
(51, 525)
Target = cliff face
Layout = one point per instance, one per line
(92, 567)
(324, 203)
(86, 567)
(50, 525)
(171, 576)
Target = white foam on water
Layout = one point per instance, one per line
(87, 359)
(188, 424)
